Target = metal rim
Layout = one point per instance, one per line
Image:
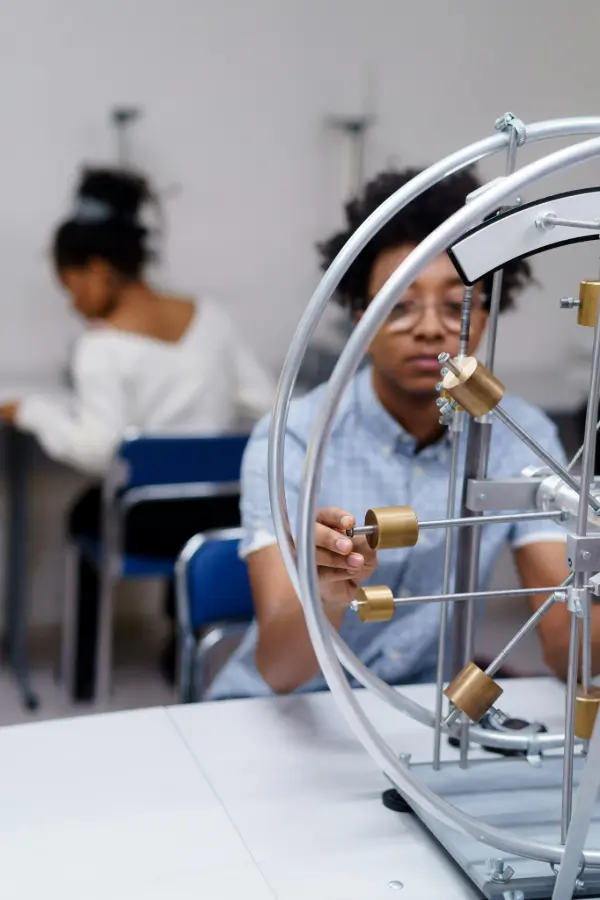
(454, 162)
(347, 364)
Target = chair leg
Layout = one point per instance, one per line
(69, 623)
(104, 646)
(186, 647)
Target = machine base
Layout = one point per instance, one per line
(513, 795)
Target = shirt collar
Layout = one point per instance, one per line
(383, 429)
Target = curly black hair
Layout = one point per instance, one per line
(410, 226)
(116, 236)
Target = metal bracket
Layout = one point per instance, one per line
(583, 553)
(575, 598)
(508, 493)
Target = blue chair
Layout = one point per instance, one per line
(144, 469)
(214, 603)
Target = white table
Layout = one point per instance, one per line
(246, 799)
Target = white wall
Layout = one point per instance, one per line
(235, 95)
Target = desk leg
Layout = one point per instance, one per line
(18, 449)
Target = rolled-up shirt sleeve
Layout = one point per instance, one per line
(255, 503)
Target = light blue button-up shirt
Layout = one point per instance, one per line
(371, 461)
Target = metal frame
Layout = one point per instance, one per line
(117, 501)
(330, 649)
(194, 652)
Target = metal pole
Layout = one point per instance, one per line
(585, 802)
(550, 461)
(569, 749)
(529, 625)
(475, 595)
(577, 456)
(443, 636)
(587, 477)
(580, 581)
(521, 633)
(430, 524)
(478, 450)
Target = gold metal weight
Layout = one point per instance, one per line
(587, 311)
(473, 692)
(475, 388)
(375, 604)
(586, 707)
(393, 527)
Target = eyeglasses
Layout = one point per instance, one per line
(408, 313)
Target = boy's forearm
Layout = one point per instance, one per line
(284, 654)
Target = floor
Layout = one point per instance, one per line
(137, 684)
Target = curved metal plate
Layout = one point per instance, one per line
(513, 234)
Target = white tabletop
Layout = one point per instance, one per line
(114, 807)
(244, 799)
(306, 798)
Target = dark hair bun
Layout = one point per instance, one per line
(106, 223)
(124, 192)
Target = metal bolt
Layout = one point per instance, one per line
(443, 357)
(444, 372)
(395, 885)
(439, 386)
(441, 401)
(570, 562)
(568, 303)
(579, 884)
(499, 871)
(482, 496)
(513, 895)
(405, 758)
(585, 554)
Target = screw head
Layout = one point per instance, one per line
(395, 885)
(569, 562)
(439, 386)
(585, 554)
(443, 357)
(440, 402)
(444, 372)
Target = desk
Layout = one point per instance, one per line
(246, 799)
(18, 452)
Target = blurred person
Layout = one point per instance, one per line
(388, 448)
(148, 361)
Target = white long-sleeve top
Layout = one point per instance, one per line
(202, 384)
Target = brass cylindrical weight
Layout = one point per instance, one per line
(587, 311)
(375, 604)
(586, 707)
(394, 526)
(476, 389)
(473, 692)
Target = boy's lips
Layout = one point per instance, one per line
(425, 363)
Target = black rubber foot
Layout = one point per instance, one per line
(391, 799)
(32, 703)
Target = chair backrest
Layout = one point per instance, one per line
(212, 581)
(144, 460)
